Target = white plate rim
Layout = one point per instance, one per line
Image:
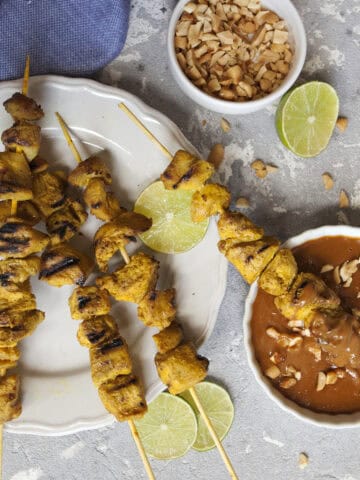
(318, 419)
(150, 113)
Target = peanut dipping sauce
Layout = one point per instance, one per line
(340, 340)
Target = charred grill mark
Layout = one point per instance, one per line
(62, 229)
(10, 227)
(249, 259)
(94, 337)
(116, 343)
(15, 138)
(152, 296)
(4, 278)
(58, 267)
(263, 248)
(83, 301)
(187, 176)
(59, 203)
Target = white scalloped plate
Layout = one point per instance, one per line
(304, 414)
(58, 395)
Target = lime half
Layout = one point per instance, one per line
(306, 118)
(169, 428)
(172, 230)
(219, 408)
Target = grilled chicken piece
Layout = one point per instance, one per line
(124, 398)
(133, 281)
(23, 136)
(8, 358)
(18, 240)
(66, 222)
(10, 406)
(181, 368)
(93, 167)
(186, 172)
(18, 270)
(22, 107)
(169, 338)
(102, 204)
(210, 200)
(279, 275)
(115, 235)
(307, 295)
(157, 308)
(250, 258)
(38, 165)
(109, 360)
(15, 177)
(16, 297)
(49, 192)
(88, 302)
(64, 265)
(27, 212)
(238, 226)
(14, 325)
(96, 330)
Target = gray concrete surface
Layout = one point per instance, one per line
(264, 443)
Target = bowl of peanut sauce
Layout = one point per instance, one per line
(312, 370)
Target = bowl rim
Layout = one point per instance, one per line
(218, 104)
(332, 421)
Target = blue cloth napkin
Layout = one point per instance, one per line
(67, 37)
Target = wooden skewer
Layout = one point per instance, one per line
(68, 138)
(193, 393)
(145, 130)
(213, 434)
(25, 86)
(133, 429)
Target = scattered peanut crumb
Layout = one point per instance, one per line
(326, 268)
(288, 383)
(262, 169)
(342, 124)
(303, 461)
(328, 181)
(344, 201)
(216, 155)
(271, 168)
(242, 202)
(273, 372)
(321, 382)
(225, 125)
(337, 275)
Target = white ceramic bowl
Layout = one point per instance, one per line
(320, 419)
(286, 10)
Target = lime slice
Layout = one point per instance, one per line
(306, 117)
(219, 408)
(172, 230)
(169, 428)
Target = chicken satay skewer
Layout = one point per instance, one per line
(193, 393)
(13, 211)
(131, 423)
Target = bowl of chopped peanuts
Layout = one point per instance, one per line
(236, 57)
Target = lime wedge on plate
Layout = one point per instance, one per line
(306, 117)
(219, 408)
(169, 428)
(172, 230)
